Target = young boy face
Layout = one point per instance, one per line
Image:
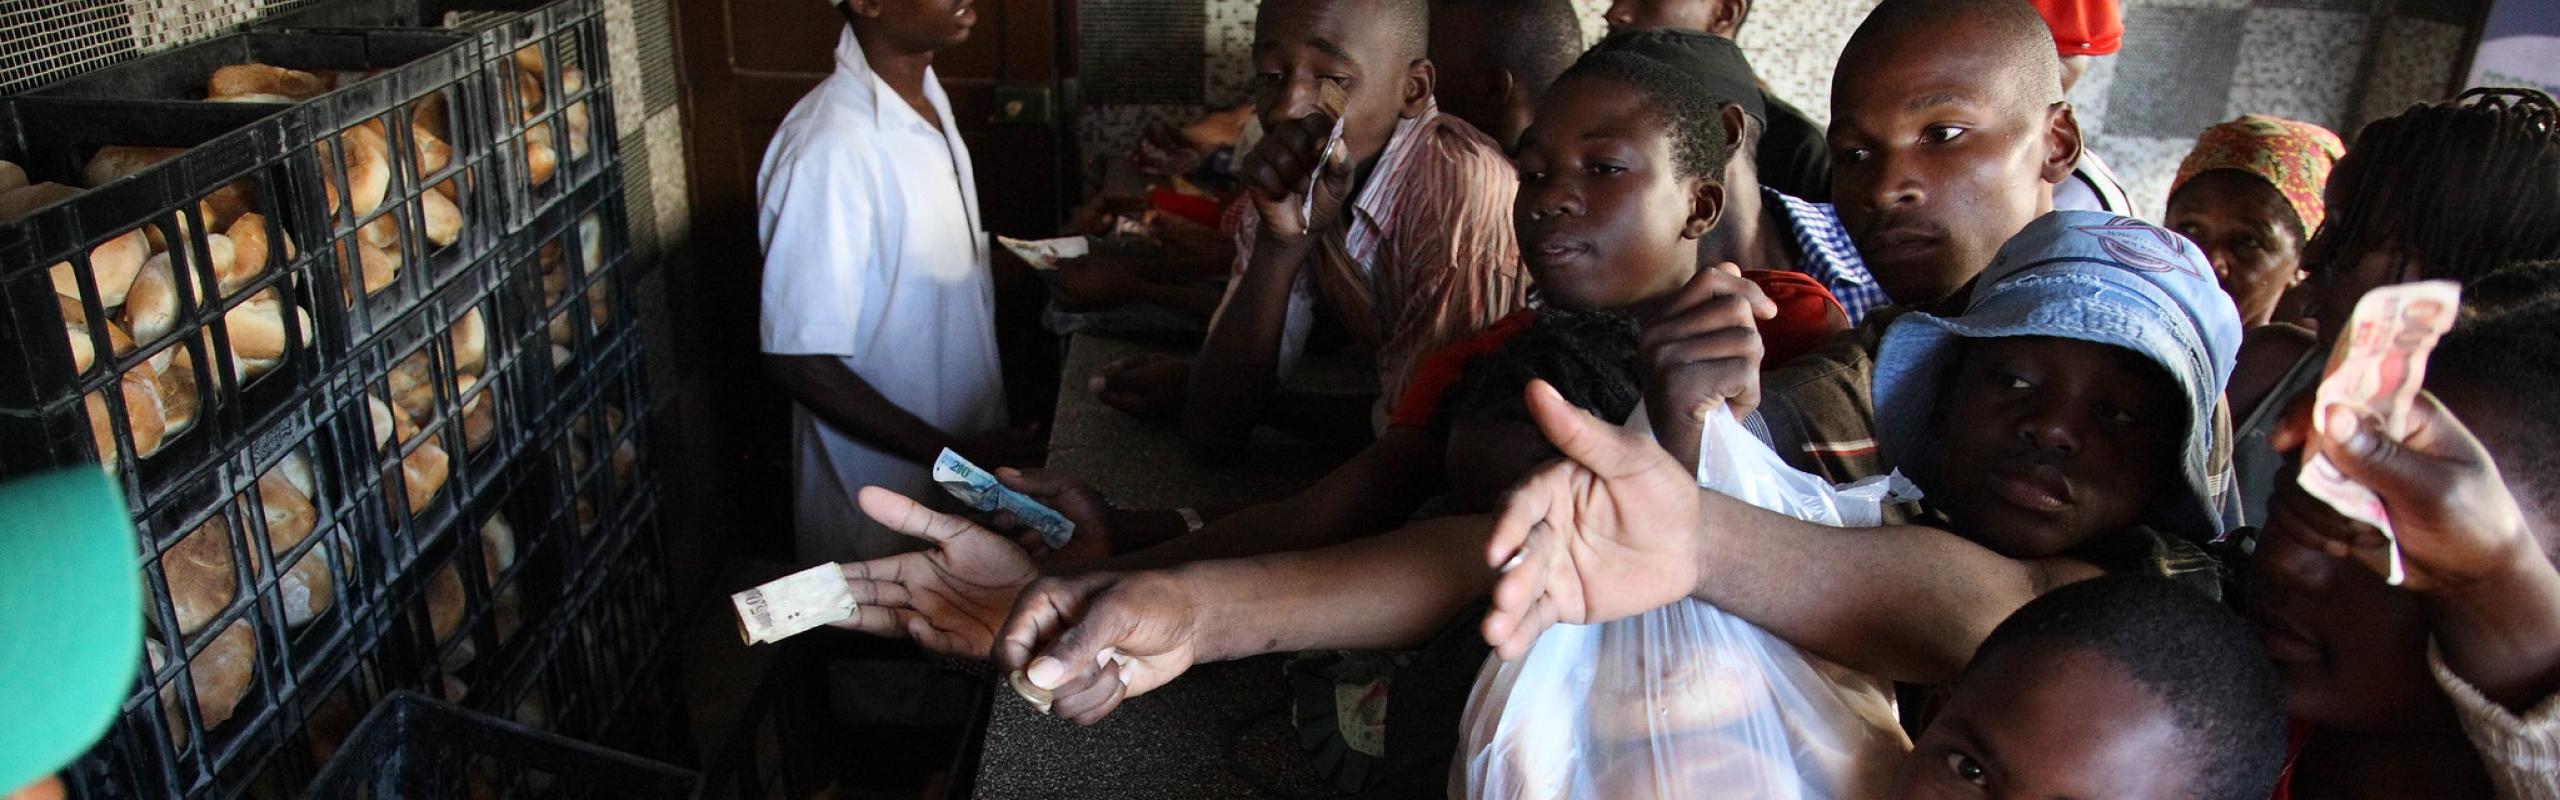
(2036, 723)
(1943, 150)
(2050, 443)
(1605, 220)
(1299, 45)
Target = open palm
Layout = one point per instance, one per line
(1608, 532)
(950, 599)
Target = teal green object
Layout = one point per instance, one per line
(70, 618)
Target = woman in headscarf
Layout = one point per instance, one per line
(2249, 194)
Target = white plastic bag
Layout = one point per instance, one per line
(1687, 701)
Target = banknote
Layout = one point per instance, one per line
(1046, 253)
(1331, 97)
(979, 489)
(796, 603)
(2375, 370)
(1042, 699)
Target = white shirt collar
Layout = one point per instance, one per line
(870, 92)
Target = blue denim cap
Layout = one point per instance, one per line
(2083, 275)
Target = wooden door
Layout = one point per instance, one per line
(744, 63)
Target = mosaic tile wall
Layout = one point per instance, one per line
(2186, 64)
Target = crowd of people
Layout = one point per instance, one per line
(1565, 260)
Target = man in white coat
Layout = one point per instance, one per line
(879, 312)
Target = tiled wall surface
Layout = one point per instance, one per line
(2186, 64)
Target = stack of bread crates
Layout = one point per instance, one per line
(342, 302)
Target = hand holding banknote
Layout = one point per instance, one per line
(1086, 643)
(1085, 508)
(2453, 517)
(1301, 172)
(950, 599)
(2374, 373)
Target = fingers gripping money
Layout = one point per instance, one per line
(2374, 375)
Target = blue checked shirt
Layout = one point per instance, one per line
(1826, 254)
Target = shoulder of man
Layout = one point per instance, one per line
(1820, 408)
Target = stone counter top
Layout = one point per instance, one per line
(1221, 730)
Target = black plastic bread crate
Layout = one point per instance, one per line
(470, 609)
(597, 441)
(228, 335)
(580, 280)
(555, 115)
(416, 746)
(254, 581)
(397, 124)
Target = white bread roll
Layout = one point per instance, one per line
(442, 219)
(479, 414)
(200, 576)
(296, 470)
(101, 429)
(423, 473)
(256, 327)
(599, 309)
(25, 200)
(141, 391)
(497, 547)
(151, 307)
(225, 205)
(572, 80)
(12, 176)
(381, 233)
(288, 512)
(413, 390)
(559, 356)
(1696, 766)
(1684, 697)
(248, 236)
(248, 79)
(529, 59)
(428, 151)
(223, 256)
(175, 382)
(222, 674)
(375, 267)
(445, 603)
(368, 170)
(591, 244)
(529, 92)
(112, 265)
(539, 161)
(469, 338)
(305, 591)
(385, 429)
(114, 162)
(429, 114)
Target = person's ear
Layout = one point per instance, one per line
(1726, 19)
(2062, 140)
(1706, 208)
(1734, 119)
(1420, 79)
(1499, 91)
(866, 9)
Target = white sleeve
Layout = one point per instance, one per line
(814, 217)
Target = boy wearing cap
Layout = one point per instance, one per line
(878, 300)
(71, 596)
(2060, 428)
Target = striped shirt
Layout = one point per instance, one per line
(2521, 750)
(1428, 257)
(1824, 251)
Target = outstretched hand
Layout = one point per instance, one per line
(950, 599)
(1098, 639)
(2455, 519)
(1609, 531)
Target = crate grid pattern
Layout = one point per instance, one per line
(388, 556)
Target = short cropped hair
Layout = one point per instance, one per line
(2182, 647)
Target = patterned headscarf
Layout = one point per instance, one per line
(2293, 156)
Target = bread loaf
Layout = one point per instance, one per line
(428, 114)
(112, 266)
(423, 473)
(529, 93)
(445, 604)
(591, 244)
(179, 400)
(469, 338)
(141, 391)
(1683, 697)
(24, 200)
(221, 674)
(368, 171)
(539, 161)
(479, 414)
(288, 512)
(249, 79)
(571, 81)
(225, 205)
(199, 571)
(430, 151)
(101, 429)
(256, 327)
(375, 267)
(223, 256)
(442, 219)
(248, 235)
(381, 232)
(114, 162)
(529, 59)
(12, 176)
(413, 389)
(151, 307)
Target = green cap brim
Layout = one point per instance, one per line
(70, 618)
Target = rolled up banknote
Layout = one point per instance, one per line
(796, 603)
(979, 489)
(1331, 98)
(2375, 370)
(1042, 699)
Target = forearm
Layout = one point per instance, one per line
(1384, 592)
(845, 401)
(2503, 635)
(1195, 299)
(1239, 362)
(1907, 603)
